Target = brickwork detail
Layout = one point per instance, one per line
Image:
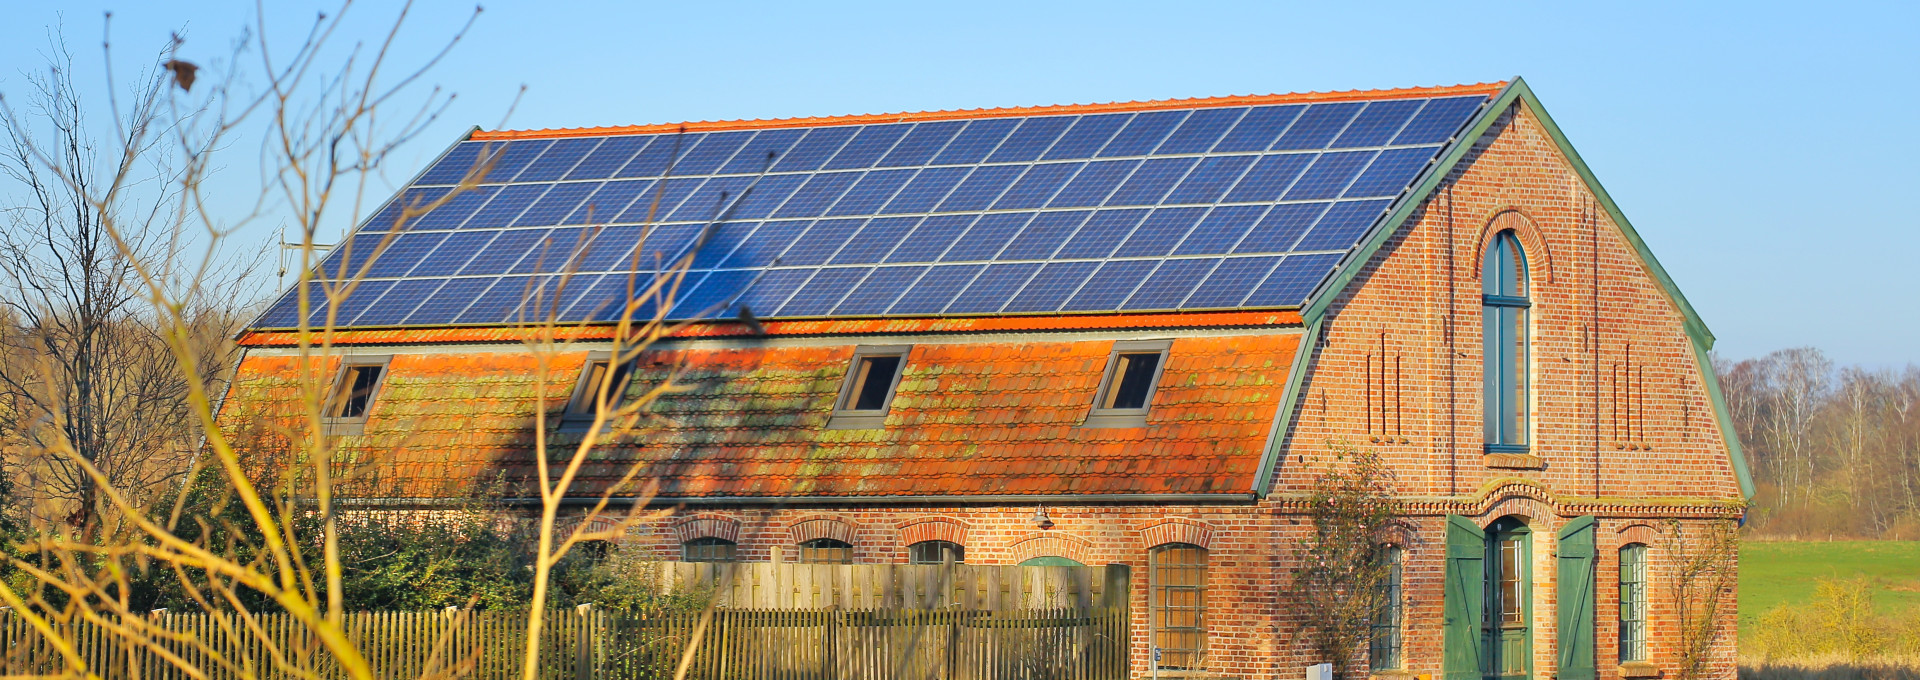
(1176, 530)
(1639, 532)
(1049, 544)
(932, 529)
(821, 526)
(707, 525)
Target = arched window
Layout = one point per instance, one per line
(936, 552)
(709, 549)
(1177, 588)
(1389, 608)
(1051, 561)
(826, 551)
(1503, 311)
(1633, 602)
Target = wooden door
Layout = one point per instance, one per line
(1507, 627)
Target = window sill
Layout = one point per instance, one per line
(345, 428)
(1639, 669)
(1514, 461)
(857, 420)
(1115, 420)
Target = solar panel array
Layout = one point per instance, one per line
(1184, 209)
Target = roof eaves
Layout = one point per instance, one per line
(1488, 89)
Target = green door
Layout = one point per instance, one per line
(1573, 599)
(1507, 627)
(1462, 646)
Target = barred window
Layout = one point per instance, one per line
(826, 551)
(935, 552)
(1633, 602)
(1177, 584)
(709, 549)
(1389, 609)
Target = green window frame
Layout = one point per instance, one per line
(936, 552)
(826, 551)
(1633, 602)
(709, 549)
(1389, 611)
(1503, 310)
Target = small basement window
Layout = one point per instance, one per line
(586, 393)
(867, 393)
(826, 551)
(936, 552)
(709, 549)
(353, 393)
(1126, 389)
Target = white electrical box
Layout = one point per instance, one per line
(1323, 671)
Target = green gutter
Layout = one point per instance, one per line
(1516, 92)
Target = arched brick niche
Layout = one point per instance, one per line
(932, 529)
(1639, 532)
(1539, 256)
(707, 525)
(813, 527)
(1049, 544)
(565, 526)
(1176, 530)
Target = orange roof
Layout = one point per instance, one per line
(988, 324)
(1487, 89)
(968, 419)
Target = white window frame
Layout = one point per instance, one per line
(341, 426)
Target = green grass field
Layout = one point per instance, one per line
(1776, 572)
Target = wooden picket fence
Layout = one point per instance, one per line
(939, 623)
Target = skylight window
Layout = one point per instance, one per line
(594, 376)
(353, 393)
(868, 392)
(1126, 390)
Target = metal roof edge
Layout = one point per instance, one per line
(1283, 414)
(987, 499)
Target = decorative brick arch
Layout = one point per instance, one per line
(565, 526)
(707, 525)
(1399, 534)
(922, 529)
(821, 526)
(1539, 256)
(1638, 532)
(1518, 498)
(1176, 530)
(1050, 544)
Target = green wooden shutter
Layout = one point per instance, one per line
(1575, 599)
(1465, 599)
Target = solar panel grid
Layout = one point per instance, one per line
(918, 215)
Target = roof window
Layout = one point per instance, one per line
(353, 392)
(599, 376)
(868, 392)
(1126, 390)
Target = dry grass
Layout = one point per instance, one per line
(1833, 667)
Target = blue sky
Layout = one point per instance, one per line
(1762, 149)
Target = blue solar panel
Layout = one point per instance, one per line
(1051, 287)
(1318, 126)
(505, 163)
(1220, 230)
(986, 237)
(867, 147)
(1378, 123)
(1160, 232)
(878, 291)
(1147, 185)
(558, 159)
(1254, 208)
(1037, 186)
(921, 144)
(1143, 134)
(974, 142)
(760, 153)
(1257, 130)
(820, 242)
(1329, 175)
(1170, 284)
(1087, 135)
(875, 240)
(1031, 139)
(1102, 233)
(1047, 232)
(824, 291)
(990, 291)
(358, 299)
(1228, 284)
(1438, 120)
(607, 158)
(1200, 131)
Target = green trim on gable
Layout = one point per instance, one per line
(1516, 92)
(1283, 416)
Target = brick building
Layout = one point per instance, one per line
(1122, 333)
